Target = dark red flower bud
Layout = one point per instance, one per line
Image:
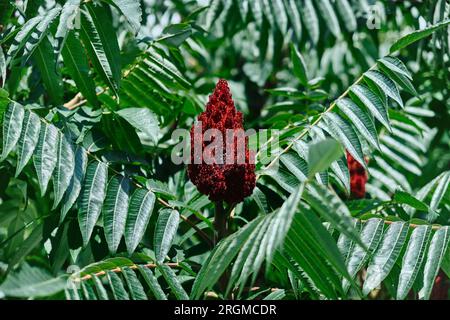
(233, 177)
(358, 178)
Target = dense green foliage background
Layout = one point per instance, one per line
(92, 207)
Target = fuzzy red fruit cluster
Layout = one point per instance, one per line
(230, 182)
(358, 178)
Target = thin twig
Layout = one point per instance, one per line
(118, 269)
(411, 225)
(72, 104)
(252, 289)
(78, 100)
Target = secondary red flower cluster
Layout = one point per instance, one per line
(441, 287)
(358, 178)
(227, 182)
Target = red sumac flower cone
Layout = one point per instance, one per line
(221, 180)
(358, 178)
